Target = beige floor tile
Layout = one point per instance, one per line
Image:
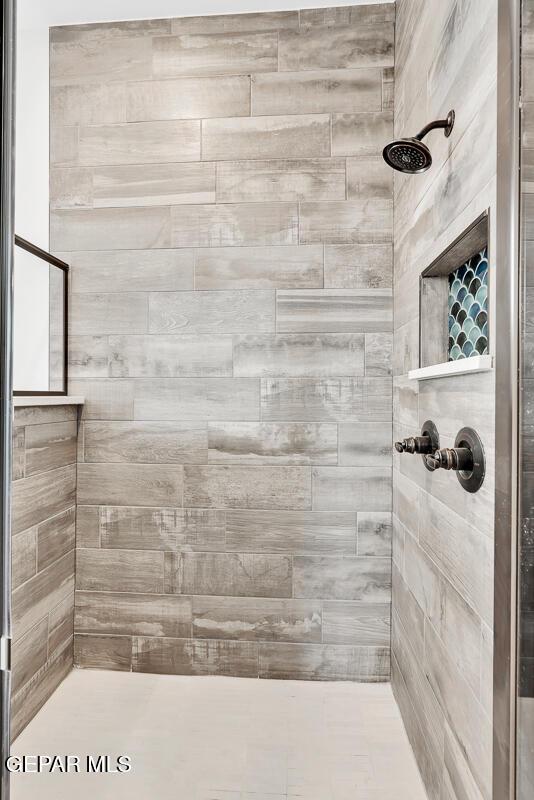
(193, 738)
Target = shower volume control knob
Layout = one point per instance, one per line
(456, 458)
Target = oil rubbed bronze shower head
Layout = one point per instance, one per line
(411, 155)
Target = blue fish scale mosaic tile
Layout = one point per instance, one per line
(468, 308)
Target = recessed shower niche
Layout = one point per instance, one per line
(453, 305)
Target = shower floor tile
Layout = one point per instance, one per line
(199, 738)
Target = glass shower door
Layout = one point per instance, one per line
(6, 301)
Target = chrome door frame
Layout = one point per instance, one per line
(7, 162)
(507, 361)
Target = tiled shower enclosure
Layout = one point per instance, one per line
(218, 189)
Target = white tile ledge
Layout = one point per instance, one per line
(48, 400)
(464, 366)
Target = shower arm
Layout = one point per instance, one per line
(447, 124)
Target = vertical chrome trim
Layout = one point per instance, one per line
(506, 398)
(7, 167)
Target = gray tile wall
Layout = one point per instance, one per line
(44, 520)
(442, 536)
(216, 185)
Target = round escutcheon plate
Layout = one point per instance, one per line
(472, 480)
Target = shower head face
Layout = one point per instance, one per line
(408, 155)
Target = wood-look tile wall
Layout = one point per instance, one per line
(217, 187)
(44, 518)
(446, 52)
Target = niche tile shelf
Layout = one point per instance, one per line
(462, 366)
(453, 305)
(468, 308)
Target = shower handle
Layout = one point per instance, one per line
(415, 444)
(423, 445)
(466, 458)
(455, 458)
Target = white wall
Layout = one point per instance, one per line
(31, 211)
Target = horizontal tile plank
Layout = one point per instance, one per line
(363, 134)
(109, 31)
(327, 399)
(170, 356)
(271, 443)
(247, 487)
(299, 355)
(133, 614)
(233, 225)
(361, 14)
(145, 442)
(214, 54)
(29, 654)
(61, 624)
(283, 180)
(188, 98)
(88, 355)
(18, 455)
(41, 496)
(378, 354)
(196, 399)
(212, 312)
(331, 47)
(287, 661)
(153, 185)
(358, 266)
(94, 60)
(237, 23)
(363, 444)
(291, 532)
(23, 556)
(286, 136)
(351, 488)
(374, 533)
(357, 221)
(119, 571)
(234, 574)
(455, 546)
(369, 177)
(50, 446)
(130, 484)
(71, 187)
(108, 228)
(333, 578)
(42, 415)
(33, 600)
(117, 312)
(95, 104)
(356, 623)
(32, 696)
(334, 310)
(195, 657)
(256, 619)
(105, 399)
(130, 270)
(292, 267)
(322, 91)
(130, 528)
(103, 652)
(55, 538)
(157, 142)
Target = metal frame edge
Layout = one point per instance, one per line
(506, 399)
